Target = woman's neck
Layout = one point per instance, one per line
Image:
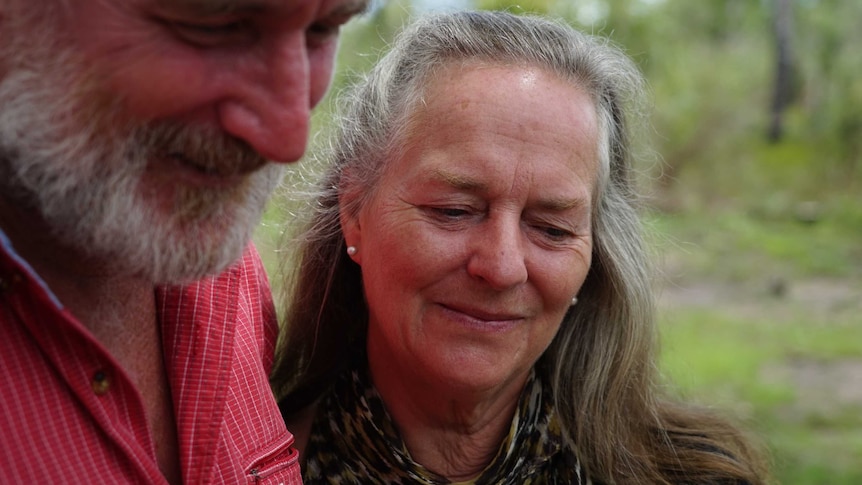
(453, 433)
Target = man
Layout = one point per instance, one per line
(136, 147)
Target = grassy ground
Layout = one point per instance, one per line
(761, 317)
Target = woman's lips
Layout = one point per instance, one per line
(485, 316)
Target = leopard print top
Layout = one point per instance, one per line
(354, 441)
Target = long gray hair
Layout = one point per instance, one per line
(601, 362)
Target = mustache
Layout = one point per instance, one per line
(208, 149)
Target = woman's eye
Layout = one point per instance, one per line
(450, 212)
(448, 215)
(555, 233)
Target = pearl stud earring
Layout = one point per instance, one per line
(351, 250)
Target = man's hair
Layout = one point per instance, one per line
(601, 364)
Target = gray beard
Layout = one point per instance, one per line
(80, 169)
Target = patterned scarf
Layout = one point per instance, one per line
(353, 440)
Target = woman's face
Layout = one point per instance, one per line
(478, 237)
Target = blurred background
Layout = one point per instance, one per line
(752, 175)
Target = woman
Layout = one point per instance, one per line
(472, 301)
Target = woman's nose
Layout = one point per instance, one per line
(498, 255)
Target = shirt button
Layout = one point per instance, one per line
(101, 384)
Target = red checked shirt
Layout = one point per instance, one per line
(69, 413)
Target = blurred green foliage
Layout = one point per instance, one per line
(710, 66)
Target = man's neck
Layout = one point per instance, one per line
(121, 315)
(119, 311)
(102, 300)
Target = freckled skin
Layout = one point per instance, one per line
(478, 237)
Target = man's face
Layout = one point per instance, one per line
(140, 130)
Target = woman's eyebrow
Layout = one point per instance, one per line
(458, 181)
(560, 204)
(468, 184)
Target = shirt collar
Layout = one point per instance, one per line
(6, 246)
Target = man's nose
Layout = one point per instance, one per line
(498, 255)
(270, 102)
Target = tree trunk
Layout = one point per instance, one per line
(783, 89)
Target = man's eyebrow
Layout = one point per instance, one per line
(216, 7)
(351, 8)
(222, 7)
